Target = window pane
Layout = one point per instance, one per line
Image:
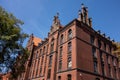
(95, 66)
(69, 62)
(61, 39)
(61, 51)
(69, 77)
(92, 39)
(99, 43)
(50, 60)
(60, 64)
(70, 34)
(49, 73)
(69, 47)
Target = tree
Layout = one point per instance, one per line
(12, 53)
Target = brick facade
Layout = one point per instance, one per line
(73, 52)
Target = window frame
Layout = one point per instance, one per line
(70, 34)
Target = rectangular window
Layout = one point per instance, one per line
(52, 47)
(103, 69)
(60, 64)
(109, 70)
(108, 61)
(61, 39)
(40, 51)
(44, 67)
(37, 54)
(40, 70)
(50, 60)
(99, 44)
(44, 50)
(36, 72)
(69, 56)
(102, 62)
(104, 46)
(94, 52)
(69, 34)
(61, 51)
(69, 47)
(95, 67)
(49, 74)
(92, 39)
(42, 60)
(69, 77)
(69, 62)
(110, 49)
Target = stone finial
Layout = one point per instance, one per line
(90, 22)
(56, 24)
(56, 19)
(82, 5)
(108, 37)
(99, 31)
(113, 40)
(104, 35)
(79, 15)
(83, 15)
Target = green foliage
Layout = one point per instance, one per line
(19, 65)
(11, 39)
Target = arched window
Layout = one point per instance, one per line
(69, 62)
(52, 45)
(69, 77)
(69, 34)
(37, 54)
(61, 39)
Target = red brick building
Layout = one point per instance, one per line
(72, 52)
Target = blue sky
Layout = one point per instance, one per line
(37, 15)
